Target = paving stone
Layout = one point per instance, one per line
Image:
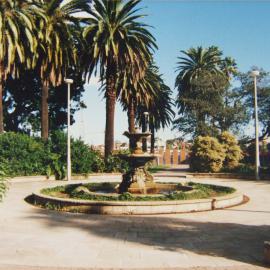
(229, 239)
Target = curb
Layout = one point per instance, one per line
(137, 207)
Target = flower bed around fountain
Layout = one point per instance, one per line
(98, 198)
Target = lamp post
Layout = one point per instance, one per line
(145, 129)
(146, 121)
(68, 82)
(255, 74)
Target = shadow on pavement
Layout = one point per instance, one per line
(238, 242)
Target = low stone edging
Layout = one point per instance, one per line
(226, 175)
(138, 208)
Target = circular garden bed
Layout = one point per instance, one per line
(99, 198)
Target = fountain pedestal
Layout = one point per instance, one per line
(137, 180)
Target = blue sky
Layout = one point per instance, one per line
(239, 28)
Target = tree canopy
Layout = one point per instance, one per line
(205, 101)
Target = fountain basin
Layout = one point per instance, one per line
(155, 204)
(137, 208)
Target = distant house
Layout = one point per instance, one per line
(121, 146)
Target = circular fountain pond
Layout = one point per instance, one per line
(101, 198)
(138, 193)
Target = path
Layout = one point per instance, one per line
(33, 238)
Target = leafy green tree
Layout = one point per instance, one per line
(232, 114)
(206, 104)
(58, 36)
(116, 41)
(245, 92)
(17, 42)
(22, 98)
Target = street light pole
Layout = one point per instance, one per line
(255, 74)
(68, 82)
(146, 121)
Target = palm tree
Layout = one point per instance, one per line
(159, 106)
(16, 41)
(196, 61)
(57, 51)
(133, 93)
(161, 113)
(202, 74)
(116, 40)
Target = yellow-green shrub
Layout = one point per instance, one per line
(233, 152)
(207, 155)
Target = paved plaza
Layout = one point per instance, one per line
(33, 238)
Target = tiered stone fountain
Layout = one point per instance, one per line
(137, 179)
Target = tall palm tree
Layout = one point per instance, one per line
(116, 40)
(160, 111)
(133, 93)
(17, 41)
(196, 61)
(159, 106)
(202, 74)
(57, 51)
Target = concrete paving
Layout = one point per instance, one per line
(33, 238)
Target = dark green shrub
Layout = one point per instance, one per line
(207, 155)
(115, 164)
(84, 159)
(249, 157)
(243, 168)
(22, 155)
(126, 196)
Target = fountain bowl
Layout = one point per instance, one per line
(103, 200)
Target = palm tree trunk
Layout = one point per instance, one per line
(110, 110)
(131, 117)
(152, 140)
(45, 112)
(131, 122)
(1, 99)
(144, 140)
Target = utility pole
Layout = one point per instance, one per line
(255, 74)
